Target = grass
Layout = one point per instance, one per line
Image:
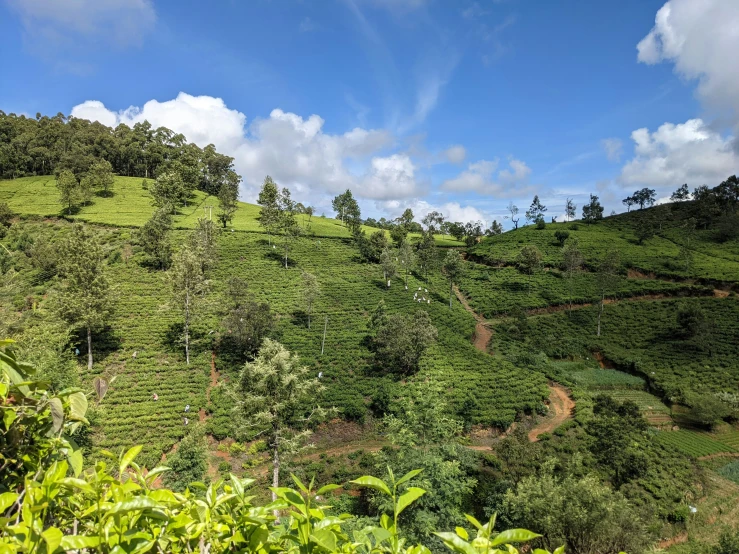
(130, 206)
(730, 471)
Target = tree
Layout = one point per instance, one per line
(287, 222)
(424, 437)
(607, 280)
(400, 340)
(707, 409)
(644, 197)
(169, 190)
(6, 215)
(389, 267)
(189, 287)
(570, 209)
(561, 236)
(347, 209)
(269, 200)
(452, 268)
(629, 202)
(85, 299)
(190, 462)
(433, 222)
(592, 211)
(644, 228)
(273, 392)
(100, 175)
(426, 254)
(513, 209)
(528, 259)
(398, 233)
(580, 512)
(572, 261)
(536, 210)
(154, 237)
(690, 319)
(227, 202)
(407, 258)
(310, 292)
(495, 229)
(203, 241)
(69, 190)
(681, 194)
(246, 322)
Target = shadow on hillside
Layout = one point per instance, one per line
(514, 286)
(174, 340)
(278, 256)
(104, 194)
(67, 212)
(104, 343)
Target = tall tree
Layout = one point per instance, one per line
(269, 200)
(407, 258)
(154, 237)
(536, 210)
(426, 254)
(644, 197)
(389, 267)
(246, 322)
(287, 222)
(69, 190)
(433, 222)
(528, 261)
(495, 229)
(85, 298)
(227, 202)
(101, 176)
(310, 292)
(607, 280)
(513, 210)
(347, 209)
(629, 202)
(204, 242)
(572, 261)
(189, 287)
(452, 268)
(570, 209)
(400, 340)
(169, 190)
(681, 194)
(592, 211)
(274, 391)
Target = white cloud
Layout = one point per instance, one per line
(479, 177)
(452, 211)
(613, 148)
(292, 149)
(122, 22)
(700, 38)
(455, 154)
(689, 152)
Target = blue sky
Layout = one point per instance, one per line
(461, 106)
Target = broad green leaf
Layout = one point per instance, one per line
(540, 551)
(327, 489)
(299, 483)
(373, 483)
(76, 461)
(77, 406)
(408, 476)
(455, 543)
(57, 413)
(462, 532)
(561, 550)
(128, 457)
(53, 538)
(78, 542)
(513, 535)
(408, 498)
(8, 417)
(80, 484)
(6, 500)
(325, 539)
(473, 521)
(236, 484)
(138, 503)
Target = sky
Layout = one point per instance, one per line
(460, 106)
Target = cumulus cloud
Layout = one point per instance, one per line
(613, 148)
(455, 154)
(61, 22)
(292, 149)
(689, 152)
(452, 211)
(480, 177)
(699, 38)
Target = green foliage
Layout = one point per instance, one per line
(692, 443)
(400, 341)
(100, 176)
(190, 462)
(592, 211)
(453, 269)
(247, 322)
(169, 190)
(528, 259)
(69, 190)
(561, 235)
(153, 237)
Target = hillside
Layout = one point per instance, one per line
(516, 351)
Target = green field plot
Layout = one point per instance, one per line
(692, 443)
(730, 471)
(647, 403)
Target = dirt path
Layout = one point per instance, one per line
(560, 403)
(560, 407)
(483, 333)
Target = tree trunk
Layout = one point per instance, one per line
(309, 310)
(286, 250)
(275, 471)
(89, 348)
(600, 313)
(187, 327)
